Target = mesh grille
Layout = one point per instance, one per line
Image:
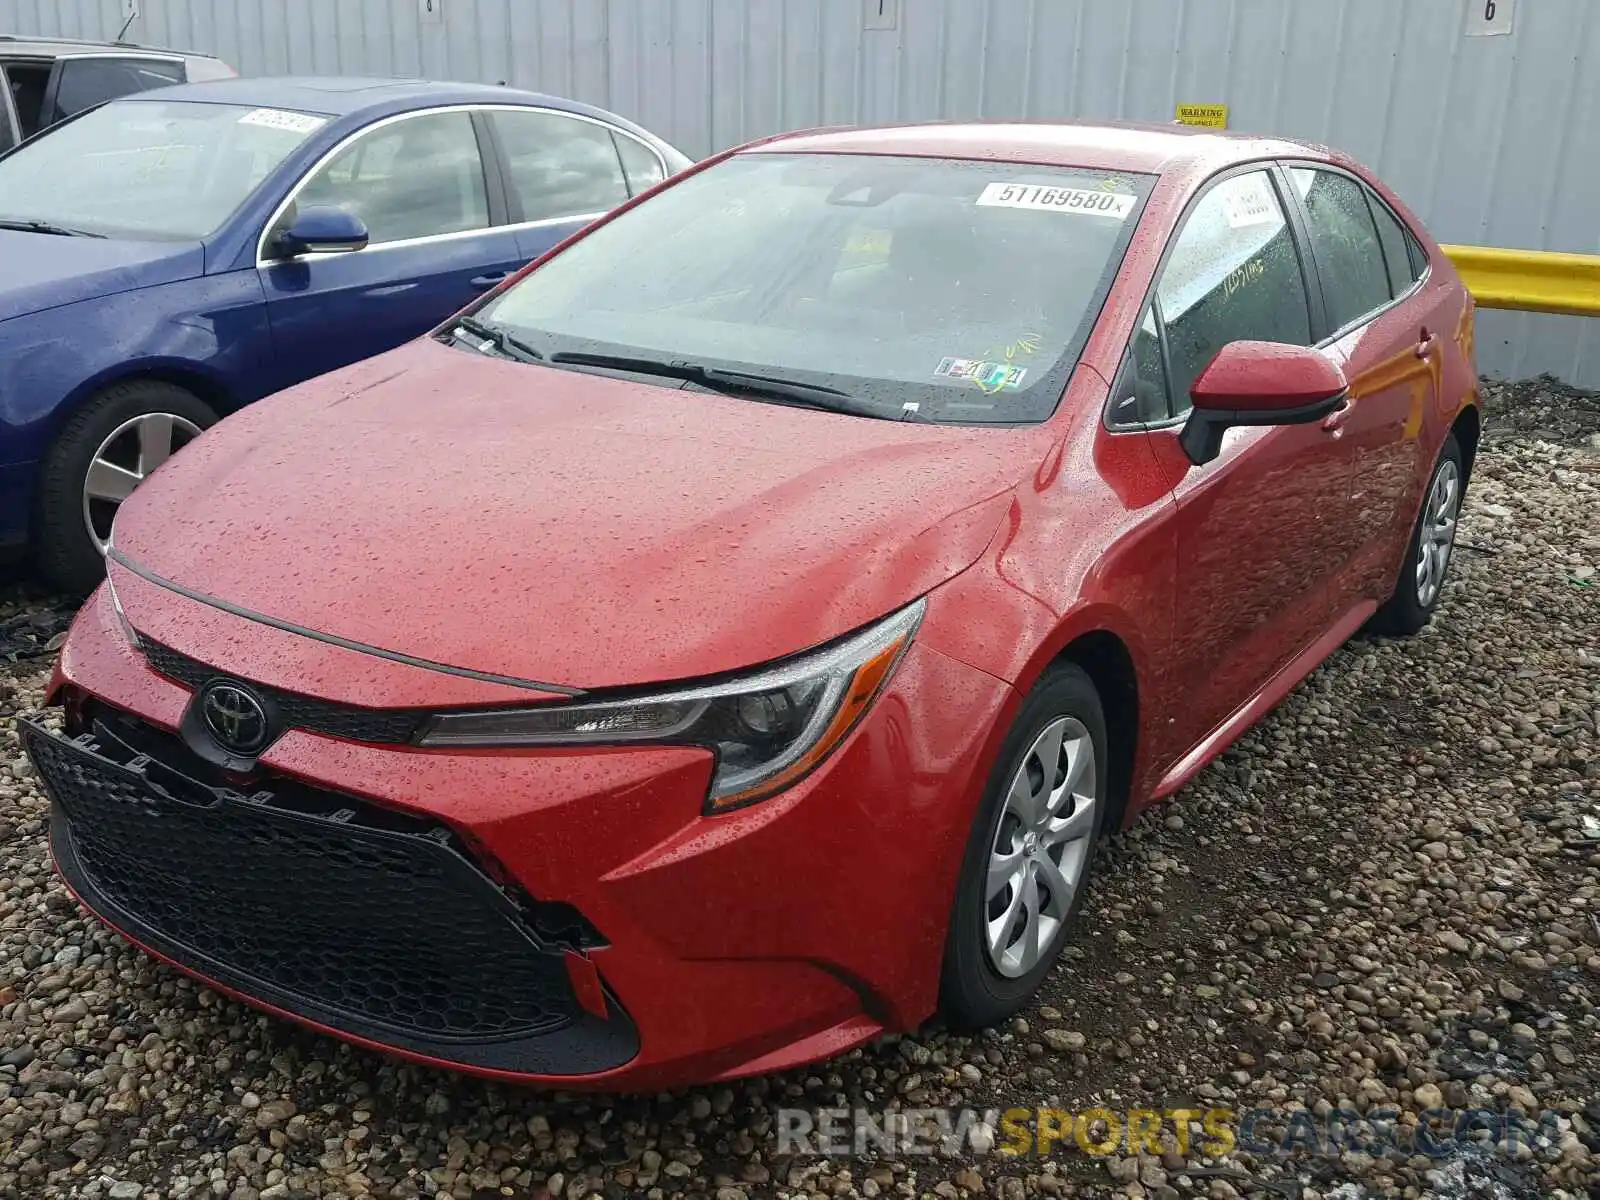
(298, 712)
(362, 911)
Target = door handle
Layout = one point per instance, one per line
(1425, 345)
(1335, 420)
(484, 282)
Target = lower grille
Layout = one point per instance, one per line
(360, 918)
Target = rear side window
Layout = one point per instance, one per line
(1344, 241)
(560, 166)
(1233, 275)
(1396, 247)
(1419, 256)
(86, 82)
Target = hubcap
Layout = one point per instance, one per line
(135, 448)
(1047, 826)
(1438, 534)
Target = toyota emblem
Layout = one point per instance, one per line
(234, 716)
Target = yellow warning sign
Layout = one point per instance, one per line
(1213, 116)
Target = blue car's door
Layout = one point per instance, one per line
(563, 170)
(429, 196)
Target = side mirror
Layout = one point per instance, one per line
(1259, 383)
(321, 230)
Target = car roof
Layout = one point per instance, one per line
(12, 44)
(344, 96)
(1099, 145)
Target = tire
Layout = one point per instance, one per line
(1411, 605)
(65, 551)
(985, 981)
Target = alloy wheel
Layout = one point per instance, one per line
(1437, 536)
(127, 456)
(1047, 826)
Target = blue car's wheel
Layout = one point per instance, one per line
(102, 453)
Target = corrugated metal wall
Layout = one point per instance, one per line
(1492, 139)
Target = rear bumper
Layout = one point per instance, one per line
(729, 945)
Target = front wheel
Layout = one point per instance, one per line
(100, 456)
(1029, 855)
(1428, 554)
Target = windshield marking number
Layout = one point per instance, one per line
(277, 118)
(1092, 202)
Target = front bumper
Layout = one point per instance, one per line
(721, 946)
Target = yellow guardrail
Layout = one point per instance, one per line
(1530, 280)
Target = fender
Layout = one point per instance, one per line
(210, 329)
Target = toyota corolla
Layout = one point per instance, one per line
(728, 641)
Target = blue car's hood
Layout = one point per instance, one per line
(40, 271)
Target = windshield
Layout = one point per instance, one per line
(957, 290)
(166, 170)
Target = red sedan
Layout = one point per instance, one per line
(727, 641)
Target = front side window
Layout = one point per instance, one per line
(949, 290)
(169, 170)
(1344, 242)
(1233, 275)
(86, 82)
(560, 166)
(413, 178)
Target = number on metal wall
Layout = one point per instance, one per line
(1489, 18)
(879, 14)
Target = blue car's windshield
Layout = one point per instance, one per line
(951, 290)
(167, 170)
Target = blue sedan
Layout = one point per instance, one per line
(168, 257)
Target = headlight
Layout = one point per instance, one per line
(768, 729)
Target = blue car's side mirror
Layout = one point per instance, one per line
(321, 230)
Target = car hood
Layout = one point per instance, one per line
(40, 271)
(566, 528)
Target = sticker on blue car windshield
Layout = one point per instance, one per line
(278, 118)
(990, 376)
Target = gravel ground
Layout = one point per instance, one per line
(1387, 895)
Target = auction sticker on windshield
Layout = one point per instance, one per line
(277, 118)
(1089, 201)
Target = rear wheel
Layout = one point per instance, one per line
(1032, 845)
(102, 454)
(1428, 554)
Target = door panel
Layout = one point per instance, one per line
(1260, 567)
(328, 311)
(1255, 583)
(534, 240)
(419, 186)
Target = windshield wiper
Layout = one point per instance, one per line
(732, 383)
(47, 227)
(500, 338)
